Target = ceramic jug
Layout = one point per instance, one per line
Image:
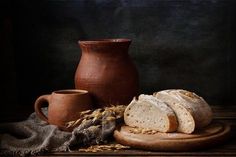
(107, 71)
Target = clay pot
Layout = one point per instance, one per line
(63, 106)
(107, 72)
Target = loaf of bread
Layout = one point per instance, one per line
(192, 111)
(148, 112)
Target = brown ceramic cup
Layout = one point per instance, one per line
(63, 106)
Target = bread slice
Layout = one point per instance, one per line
(192, 111)
(150, 113)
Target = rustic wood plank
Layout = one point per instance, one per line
(222, 112)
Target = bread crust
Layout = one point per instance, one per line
(194, 104)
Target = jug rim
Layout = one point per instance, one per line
(105, 40)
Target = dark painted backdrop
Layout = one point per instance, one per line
(185, 44)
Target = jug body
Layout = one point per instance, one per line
(107, 72)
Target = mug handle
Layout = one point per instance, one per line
(38, 106)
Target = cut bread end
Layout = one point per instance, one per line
(185, 119)
(150, 114)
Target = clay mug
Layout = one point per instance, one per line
(63, 106)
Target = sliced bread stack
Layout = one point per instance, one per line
(168, 111)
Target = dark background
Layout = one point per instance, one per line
(185, 44)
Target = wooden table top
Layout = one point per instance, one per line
(228, 148)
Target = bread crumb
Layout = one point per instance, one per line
(136, 130)
(105, 147)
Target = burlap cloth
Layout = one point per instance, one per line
(31, 137)
(34, 137)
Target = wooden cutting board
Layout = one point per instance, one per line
(210, 136)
